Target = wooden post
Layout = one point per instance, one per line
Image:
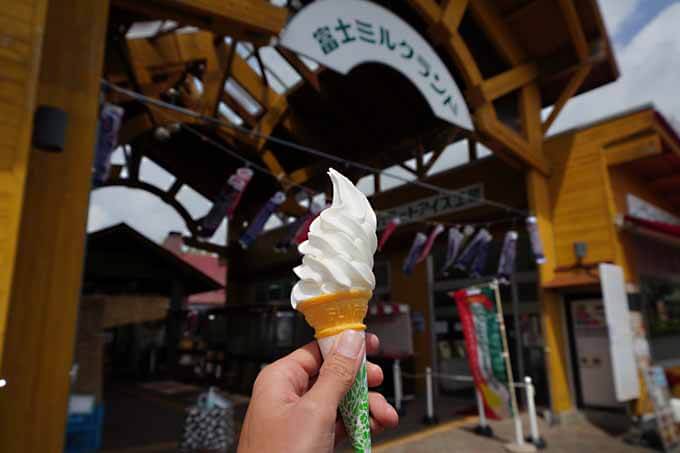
(552, 309)
(45, 287)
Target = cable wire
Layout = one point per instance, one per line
(307, 149)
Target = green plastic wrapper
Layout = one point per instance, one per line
(354, 406)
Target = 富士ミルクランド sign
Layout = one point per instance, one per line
(342, 34)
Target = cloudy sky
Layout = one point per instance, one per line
(646, 38)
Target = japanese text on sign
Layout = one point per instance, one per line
(465, 198)
(332, 37)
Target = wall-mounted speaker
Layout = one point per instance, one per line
(49, 128)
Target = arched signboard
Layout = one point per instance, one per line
(342, 34)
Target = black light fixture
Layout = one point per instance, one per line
(49, 128)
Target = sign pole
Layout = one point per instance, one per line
(519, 446)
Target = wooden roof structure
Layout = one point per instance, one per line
(120, 260)
(510, 58)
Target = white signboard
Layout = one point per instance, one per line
(342, 34)
(626, 384)
(436, 205)
(640, 208)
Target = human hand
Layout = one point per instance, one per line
(295, 399)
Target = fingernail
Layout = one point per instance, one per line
(350, 343)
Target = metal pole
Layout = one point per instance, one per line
(396, 376)
(519, 436)
(518, 336)
(429, 416)
(483, 429)
(480, 408)
(531, 408)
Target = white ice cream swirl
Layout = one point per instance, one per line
(338, 254)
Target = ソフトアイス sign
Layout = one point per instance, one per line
(424, 208)
(342, 34)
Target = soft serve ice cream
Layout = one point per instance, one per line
(336, 283)
(338, 253)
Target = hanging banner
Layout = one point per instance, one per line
(226, 202)
(471, 249)
(387, 232)
(506, 262)
(455, 240)
(343, 34)
(110, 119)
(484, 349)
(414, 253)
(478, 266)
(436, 231)
(257, 225)
(535, 239)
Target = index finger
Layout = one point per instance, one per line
(308, 357)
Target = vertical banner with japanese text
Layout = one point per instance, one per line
(484, 349)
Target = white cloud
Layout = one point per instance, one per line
(650, 72)
(616, 12)
(140, 210)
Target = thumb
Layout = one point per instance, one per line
(339, 369)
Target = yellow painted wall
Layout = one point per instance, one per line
(21, 37)
(584, 200)
(580, 205)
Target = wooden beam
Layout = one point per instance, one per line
(304, 174)
(567, 93)
(578, 37)
(668, 139)
(250, 20)
(22, 35)
(514, 145)
(465, 62)
(252, 82)
(427, 9)
(486, 14)
(552, 307)
(45, 288)
(530, 116)
(645, 145)
(309, 76)
(502, 84)
(452, 13)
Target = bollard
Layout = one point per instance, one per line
(430, 418)
(398, 389)
(535, 437)
(483, 429)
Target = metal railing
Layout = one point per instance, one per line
(483, 428)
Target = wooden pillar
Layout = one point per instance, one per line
(552, 306)
(45, 286)
(21, 38)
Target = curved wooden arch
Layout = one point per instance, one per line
(167, 197)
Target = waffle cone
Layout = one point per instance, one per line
(331, 314)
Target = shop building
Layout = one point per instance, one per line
(502, 63)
